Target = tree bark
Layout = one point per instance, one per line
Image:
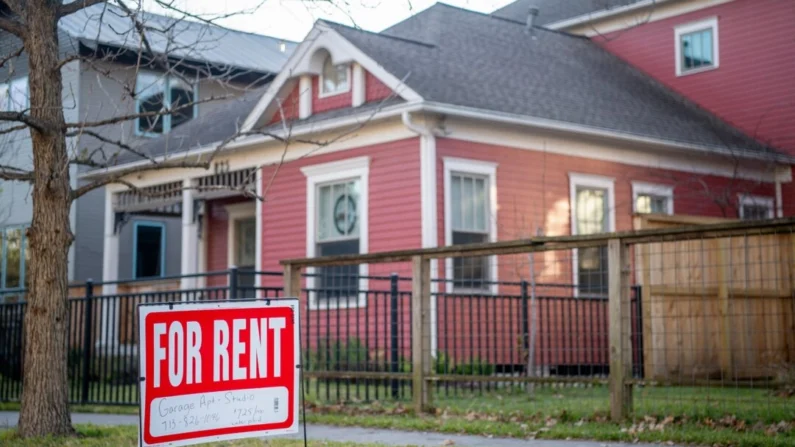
(45, 404)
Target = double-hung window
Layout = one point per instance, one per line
(337, 225)
(13, 257)
(149, 250)
(696, 46)
(470, 214)
(592, 212)
(755, 207)
(650, 198)
(14, 95)
(167, 100)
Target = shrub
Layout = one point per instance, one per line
(475, 367)
(350, 355)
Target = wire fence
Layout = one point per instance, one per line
(667, 321)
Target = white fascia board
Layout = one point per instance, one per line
(508, 118)
(324, 37)
(253, 140)
(591, 16)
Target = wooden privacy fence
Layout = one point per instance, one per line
(719, 307)
(655, 264)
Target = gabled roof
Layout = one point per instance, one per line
(462, 58)
(106, 24)
(551, 11)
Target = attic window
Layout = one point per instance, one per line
(335, 79)
(156, 94)
(696, 47)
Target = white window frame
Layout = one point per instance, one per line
(321, 93)
(475, 167)
(748, 199)
(589, 181)
(236, 212)
(335, 171)
(641, 188)
(702, 25)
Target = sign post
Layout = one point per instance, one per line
(218, 370)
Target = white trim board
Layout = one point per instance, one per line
(324, 38)
(478, 167)
(666, 191)
(352, 168)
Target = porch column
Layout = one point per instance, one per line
(110, 273)
(190, 238)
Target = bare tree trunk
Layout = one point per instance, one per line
(45, 404)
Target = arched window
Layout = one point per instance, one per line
(158, 93)
(335, 78)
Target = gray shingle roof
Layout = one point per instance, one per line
(107, 24)
(550, 11)
(468, 59)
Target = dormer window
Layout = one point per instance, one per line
(696, 47)
(158, 93)
(335, 79)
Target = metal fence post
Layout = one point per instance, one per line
(620, 329)
(421, 332)
(87, 339)
(393, 326)
(233, 277)
(525, 323)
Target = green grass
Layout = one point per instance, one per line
(95, 436)
(703, 416)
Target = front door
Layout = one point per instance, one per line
(245, 255)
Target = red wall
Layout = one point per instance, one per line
(216, 234)
(375, 90)
(753, 86)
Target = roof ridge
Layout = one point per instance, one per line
(379, 34)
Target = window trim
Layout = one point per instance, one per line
(588, 181)
(234, 213)
(639, 188)
(749, 199)
(687, 28)
(336, 171)
(474, 167)
(320, 93)
(152, 224)
(167, 99)
(4, 260)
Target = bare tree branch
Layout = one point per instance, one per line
(13, 55)
(14, 27)
(77, 5)
(15, 174)
(22, 117)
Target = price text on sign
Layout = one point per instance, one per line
(218, 370)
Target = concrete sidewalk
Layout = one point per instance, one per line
(357, 435)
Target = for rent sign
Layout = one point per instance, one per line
(218, 370)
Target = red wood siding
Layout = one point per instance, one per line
(289, 106)
(375, 90)
(340, 101)
(533, 192)
(752, 88)
(394, 202)
(216, 234)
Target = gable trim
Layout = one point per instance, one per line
(323, 36)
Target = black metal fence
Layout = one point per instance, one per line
(356, 345)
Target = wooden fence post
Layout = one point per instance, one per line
(724, 308)
(421, 332)
(292, 281)
(620, 328)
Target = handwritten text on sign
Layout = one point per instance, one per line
(218, 370)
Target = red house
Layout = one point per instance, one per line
(456, 127)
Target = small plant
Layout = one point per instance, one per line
(444, 364)
(475, 367)
(345, 355)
